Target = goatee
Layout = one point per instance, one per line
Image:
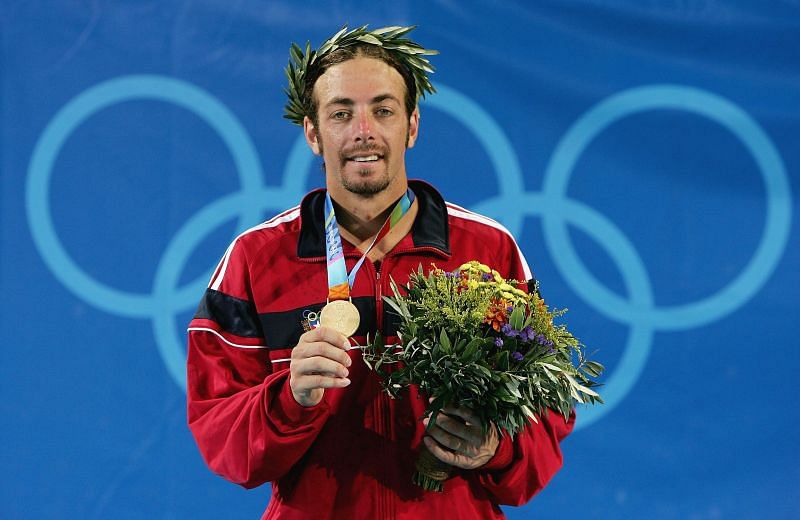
(365, 187)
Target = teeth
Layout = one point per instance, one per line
(366, 159)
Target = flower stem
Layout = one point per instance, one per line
(431, 472)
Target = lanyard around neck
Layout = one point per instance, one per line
(339, 282)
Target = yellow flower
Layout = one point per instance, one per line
(474, 266)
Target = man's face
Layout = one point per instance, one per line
(363, 126)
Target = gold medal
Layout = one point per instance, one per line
(340, 315)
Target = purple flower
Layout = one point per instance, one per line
(486, 277)
(498, 342)
(507, 330)
(528, 334)
(517, 356)
(510, 309)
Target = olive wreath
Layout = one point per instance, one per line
(405, 51)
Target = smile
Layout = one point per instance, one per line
(366, 158)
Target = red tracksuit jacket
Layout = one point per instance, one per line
(351, 456)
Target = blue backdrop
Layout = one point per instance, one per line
(645, 154)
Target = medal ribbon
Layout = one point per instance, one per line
(339, 282)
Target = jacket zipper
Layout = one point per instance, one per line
(379, 405)
(386, 503)
(378, 300)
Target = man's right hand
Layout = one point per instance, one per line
(319, 361)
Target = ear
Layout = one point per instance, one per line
(312, 138)
(413, 128)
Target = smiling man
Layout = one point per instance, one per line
(367, 133)
(362, 128)
(277, 390)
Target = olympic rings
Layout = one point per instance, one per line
(511, 207)
(72, 115)
(779, 207)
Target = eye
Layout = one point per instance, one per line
(340, 115)
(384, 112)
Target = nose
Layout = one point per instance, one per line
(365, 127)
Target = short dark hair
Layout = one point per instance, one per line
(348, 53)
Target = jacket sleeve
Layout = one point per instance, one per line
(522, 467)
(246, 423)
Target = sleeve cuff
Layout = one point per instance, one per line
(293, 413)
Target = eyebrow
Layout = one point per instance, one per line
(349, 102)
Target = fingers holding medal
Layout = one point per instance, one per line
(319, 361)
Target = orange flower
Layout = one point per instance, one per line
(497, 313)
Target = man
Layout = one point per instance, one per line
(274, 398)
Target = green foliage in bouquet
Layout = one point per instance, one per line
(473, 339)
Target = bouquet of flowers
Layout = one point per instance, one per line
(471, 338)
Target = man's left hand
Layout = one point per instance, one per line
(457, 438)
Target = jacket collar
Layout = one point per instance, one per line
(430, 228)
